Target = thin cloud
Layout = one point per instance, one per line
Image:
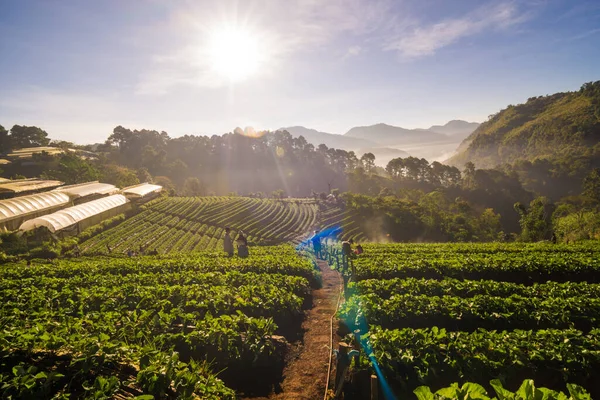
(353, 51)
(426, 40)
(585, 34)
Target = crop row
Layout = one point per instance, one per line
(186, 224)
(262, 260)
(415, 357)
(450, 249)
(469, 314)
(512, 267)
(469, 288)
(527, 391)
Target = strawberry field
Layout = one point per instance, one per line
(189, 224)
(434, 314)
(107, 327)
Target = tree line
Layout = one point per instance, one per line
(409, 199)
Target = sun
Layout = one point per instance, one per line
(234, 53)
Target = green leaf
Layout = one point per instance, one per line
(577, 392)
(145, 397)
(527, 390)
(448, 392)
(475, 391)
(502, 393)
(41, 375)
(423, 393)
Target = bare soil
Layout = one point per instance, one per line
(305, 374)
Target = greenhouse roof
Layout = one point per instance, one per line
(87, 189)
(70, 216)
(141, 190)
(27, 185)
(12, 208)
(28, 152)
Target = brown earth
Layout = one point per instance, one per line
(305, 374)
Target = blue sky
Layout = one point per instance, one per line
(80, 68)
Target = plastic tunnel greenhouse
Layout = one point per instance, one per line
(142, 193)
(74, 215)
(141, 190)
(88, 189)
(14, 211)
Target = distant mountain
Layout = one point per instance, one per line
(329, 139)
(562, 125)
(383, 155)
(456, 128)
(389, 135)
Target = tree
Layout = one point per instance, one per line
(591, 185)
(278, 194)
(73, 169)
(119, 176)
(469, 175)
(28, 136)
(395, 168)
(536, 221)
(5, 142)
(143, 175)
(166, 183)
(489, 225)
(193, 187)
(368, 161)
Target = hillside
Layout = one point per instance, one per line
(558, 125)
(393, 135)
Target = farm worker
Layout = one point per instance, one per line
(242, 245)
(228, 243)
(108, 248)
(346, 253)
(316, 241)
(76, 251)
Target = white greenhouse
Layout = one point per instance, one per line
(13, 212)
(12, 188)
(77, 218)
(142, 192)
(88, 191)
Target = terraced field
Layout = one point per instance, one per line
(189, 224)
(433, 314)
(155, 327)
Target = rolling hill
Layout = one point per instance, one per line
(456, 128)
(329, 139)
(559, 125)
(387, 141)
(389, 135)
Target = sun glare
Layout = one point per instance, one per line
(234, 53)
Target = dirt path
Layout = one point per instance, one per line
(305, 375)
